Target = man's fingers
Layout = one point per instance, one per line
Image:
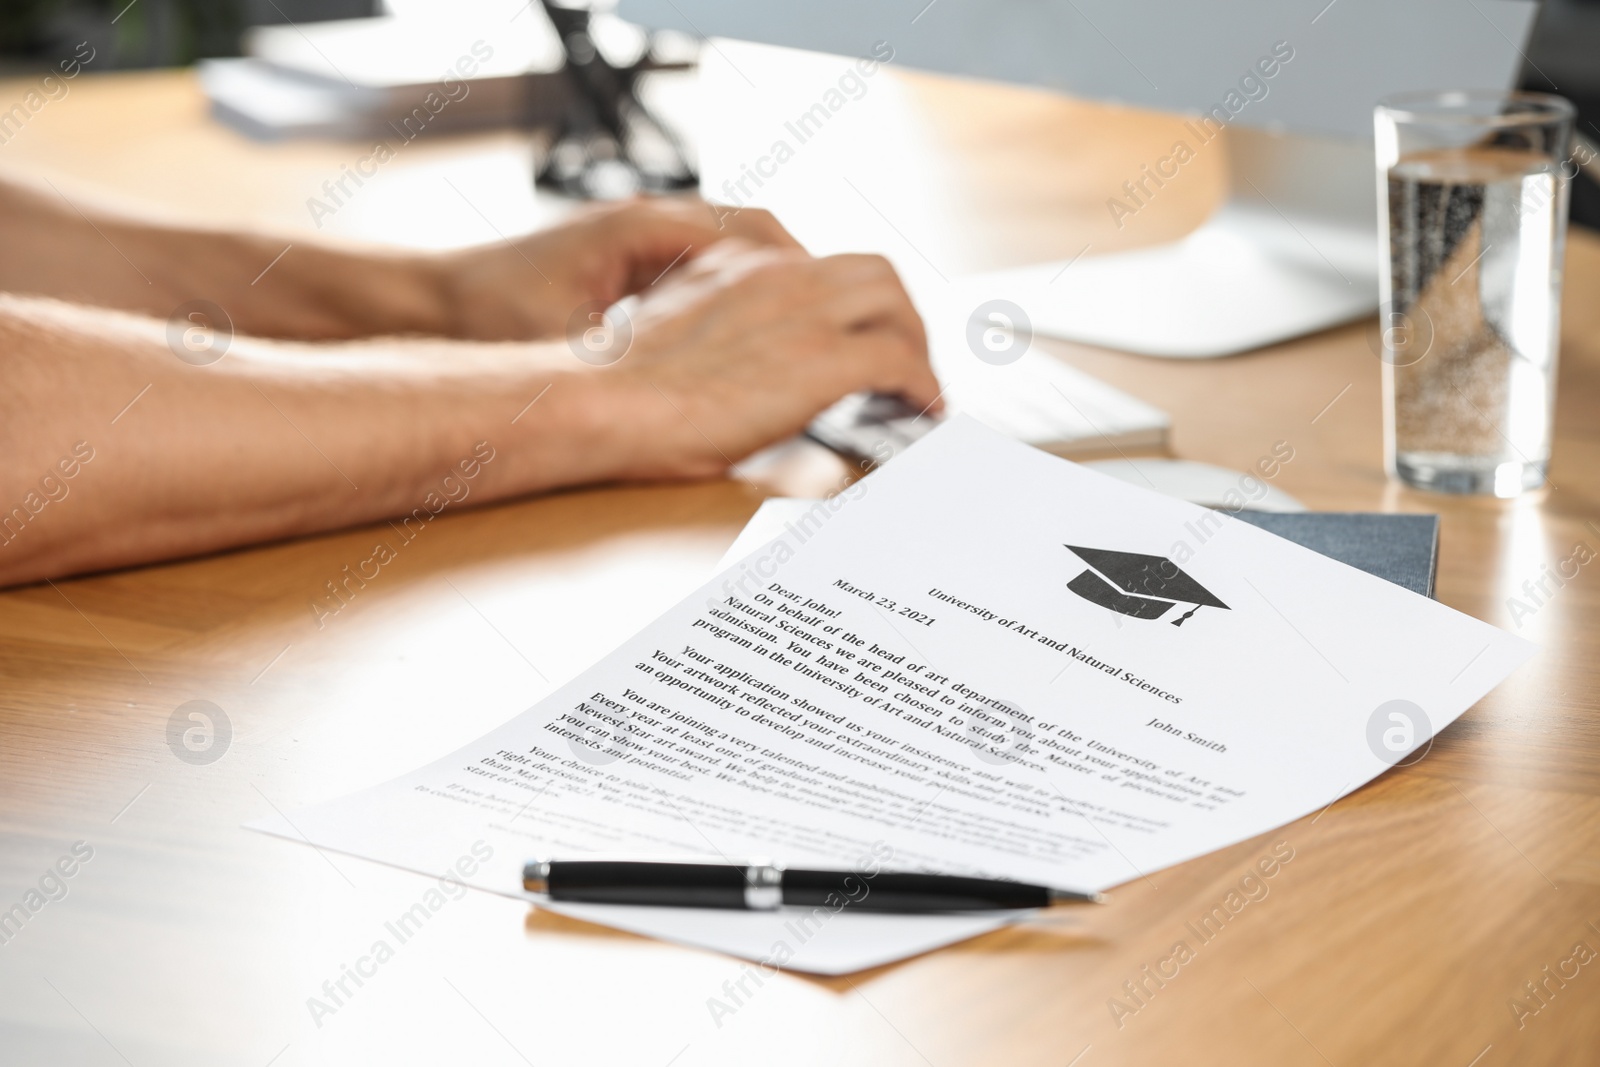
(753, 224)
(883, 362)
(878, 304)
(665, 234)
(735, 256)
(726, 265)
(866, 291)
(848, 294)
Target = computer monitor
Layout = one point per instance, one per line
(1293, 248)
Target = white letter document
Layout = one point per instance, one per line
(924, 665)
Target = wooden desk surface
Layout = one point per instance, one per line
(1407, 924)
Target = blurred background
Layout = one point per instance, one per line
(1562, 58)
(279, 37)
(35, 34)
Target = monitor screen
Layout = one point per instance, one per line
(1313, 67)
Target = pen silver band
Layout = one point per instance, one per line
(536, 877)
(1074, 896)
(763, 887)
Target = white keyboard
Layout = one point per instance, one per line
(1038, 400)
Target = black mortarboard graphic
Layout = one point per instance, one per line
(1138, 585)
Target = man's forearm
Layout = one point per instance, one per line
(272, 441)
(71, 251)
(741, 347)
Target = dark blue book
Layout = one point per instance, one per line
(1403, 549)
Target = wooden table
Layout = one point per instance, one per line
(1407, 925)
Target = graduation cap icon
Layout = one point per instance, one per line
(1138, 585)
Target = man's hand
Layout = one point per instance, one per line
(530, 288)
(747, 344)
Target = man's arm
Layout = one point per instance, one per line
(276, 439)
(72, 250)
(509, 290)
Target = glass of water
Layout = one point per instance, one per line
(1472, 199)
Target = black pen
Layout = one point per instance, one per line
(767, 886)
